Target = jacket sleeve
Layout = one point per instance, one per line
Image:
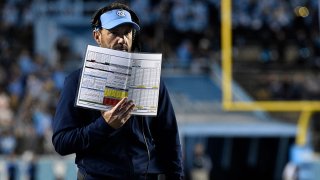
(70, 135)
(167, 136)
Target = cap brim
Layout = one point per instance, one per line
(118, 22)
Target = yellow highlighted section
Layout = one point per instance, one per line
(118, 94)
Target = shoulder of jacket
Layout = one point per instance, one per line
(74, 76)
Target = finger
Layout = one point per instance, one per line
(130, 105)
(125, 118)
(120, 104)
(128, 111)
(126, 105)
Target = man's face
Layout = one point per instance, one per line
(118, 38)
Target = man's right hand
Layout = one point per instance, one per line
(119, 114)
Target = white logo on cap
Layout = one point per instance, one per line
(121, 13)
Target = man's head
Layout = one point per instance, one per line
(116, 26)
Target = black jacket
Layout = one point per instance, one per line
(102, 151)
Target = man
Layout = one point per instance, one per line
(115, 144)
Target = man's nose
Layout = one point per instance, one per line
(121, 39)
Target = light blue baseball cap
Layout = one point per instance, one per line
(116, 17)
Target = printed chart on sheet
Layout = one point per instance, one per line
(110, 75)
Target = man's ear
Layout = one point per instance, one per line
(96, 36)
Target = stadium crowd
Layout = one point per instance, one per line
(186, 31)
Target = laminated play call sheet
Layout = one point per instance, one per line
(110, 75)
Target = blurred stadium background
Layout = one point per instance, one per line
(276, 56)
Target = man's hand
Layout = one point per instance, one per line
(119, 114)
